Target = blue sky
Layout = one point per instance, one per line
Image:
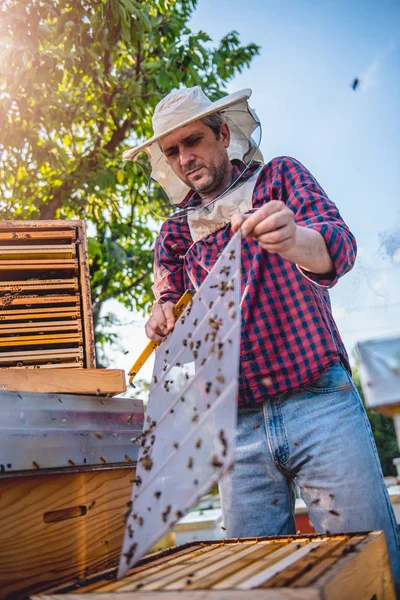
(310, 53)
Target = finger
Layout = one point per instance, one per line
(273, 223)
(276, 237)
(237, 221)
(168, 309)
(152, 333)
(260, 214)
(160, 322)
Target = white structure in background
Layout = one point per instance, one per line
(380, 376)
(189, 438)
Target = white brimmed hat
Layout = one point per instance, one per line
(182, 107)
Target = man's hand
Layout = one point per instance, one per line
(272, 226)
(161, 321)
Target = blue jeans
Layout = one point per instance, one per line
(319, 437)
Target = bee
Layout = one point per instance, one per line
(203, 362)
(195, 321)
(179, 514)
(231, 255)
(140, 521)
(172, 411)
(130, 531)
(195, 418)
(274, 501)
(256, 427)
(98, 435)
(92, 504)
(129, 555)
(157, 494)
(331, 496)
(189, 335)
(297, 443)
(215, 462)
(103, 460)
(152, 439)
(130, 419)
(198, 443)
(195, 482)
(167, 351)
(220, 378)
(155, 378)
(176, 445)
(223, 528)
(71, 462)
(316, 501)
(224, 442)
(211, 304)
(190, 463)
(195, 354)
(335, 513)
(128, 459)
(137, 480)
(166, 512)
(147, 463)
(208, 387)
(198, 344)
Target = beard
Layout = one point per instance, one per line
(211, 181)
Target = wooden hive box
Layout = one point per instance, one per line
(329, 567)
(45, 305)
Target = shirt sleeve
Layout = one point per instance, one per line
(168, 265)
(312, 208)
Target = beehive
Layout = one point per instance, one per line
(329, 567)
(45, 307)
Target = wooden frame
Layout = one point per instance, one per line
(44, 270)
(310, 567)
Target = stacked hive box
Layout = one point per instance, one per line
(45, 314)
(327, 567)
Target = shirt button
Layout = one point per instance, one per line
(245, 357)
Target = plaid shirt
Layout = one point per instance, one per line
(288, 334)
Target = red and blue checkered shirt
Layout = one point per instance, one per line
(288, 334)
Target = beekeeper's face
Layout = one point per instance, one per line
(199, 157)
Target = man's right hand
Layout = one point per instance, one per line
(161, 321)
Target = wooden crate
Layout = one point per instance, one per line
(329, 567)
(58, 527)
(45, 304)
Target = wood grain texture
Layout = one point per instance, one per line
(59, 381)
(86, 299)
(35, 555)
(364, 573)
(271, 594)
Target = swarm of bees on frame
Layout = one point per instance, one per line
(203, 343)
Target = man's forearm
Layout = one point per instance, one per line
(310, 251)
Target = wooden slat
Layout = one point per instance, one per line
(39, 284)
(324, 565)
(37, 235)
(209, 576)
(33, 340)
(41, 327)
(281, 560)
(307, 594)
(86, 300)
(39, 265)
(249, 568)
(175, 574)
(28, 300)
(39, 313)
(38, 356)
(86, 381)
(70, 365)
(45, 251)
(150, 573)
(288, 576)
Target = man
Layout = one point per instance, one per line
(300, 418)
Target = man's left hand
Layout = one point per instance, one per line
(272, 226)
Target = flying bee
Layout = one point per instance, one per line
(190, 463)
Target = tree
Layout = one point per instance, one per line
(78, 83)
(384, 434)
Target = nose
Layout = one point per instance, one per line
(186, 158)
